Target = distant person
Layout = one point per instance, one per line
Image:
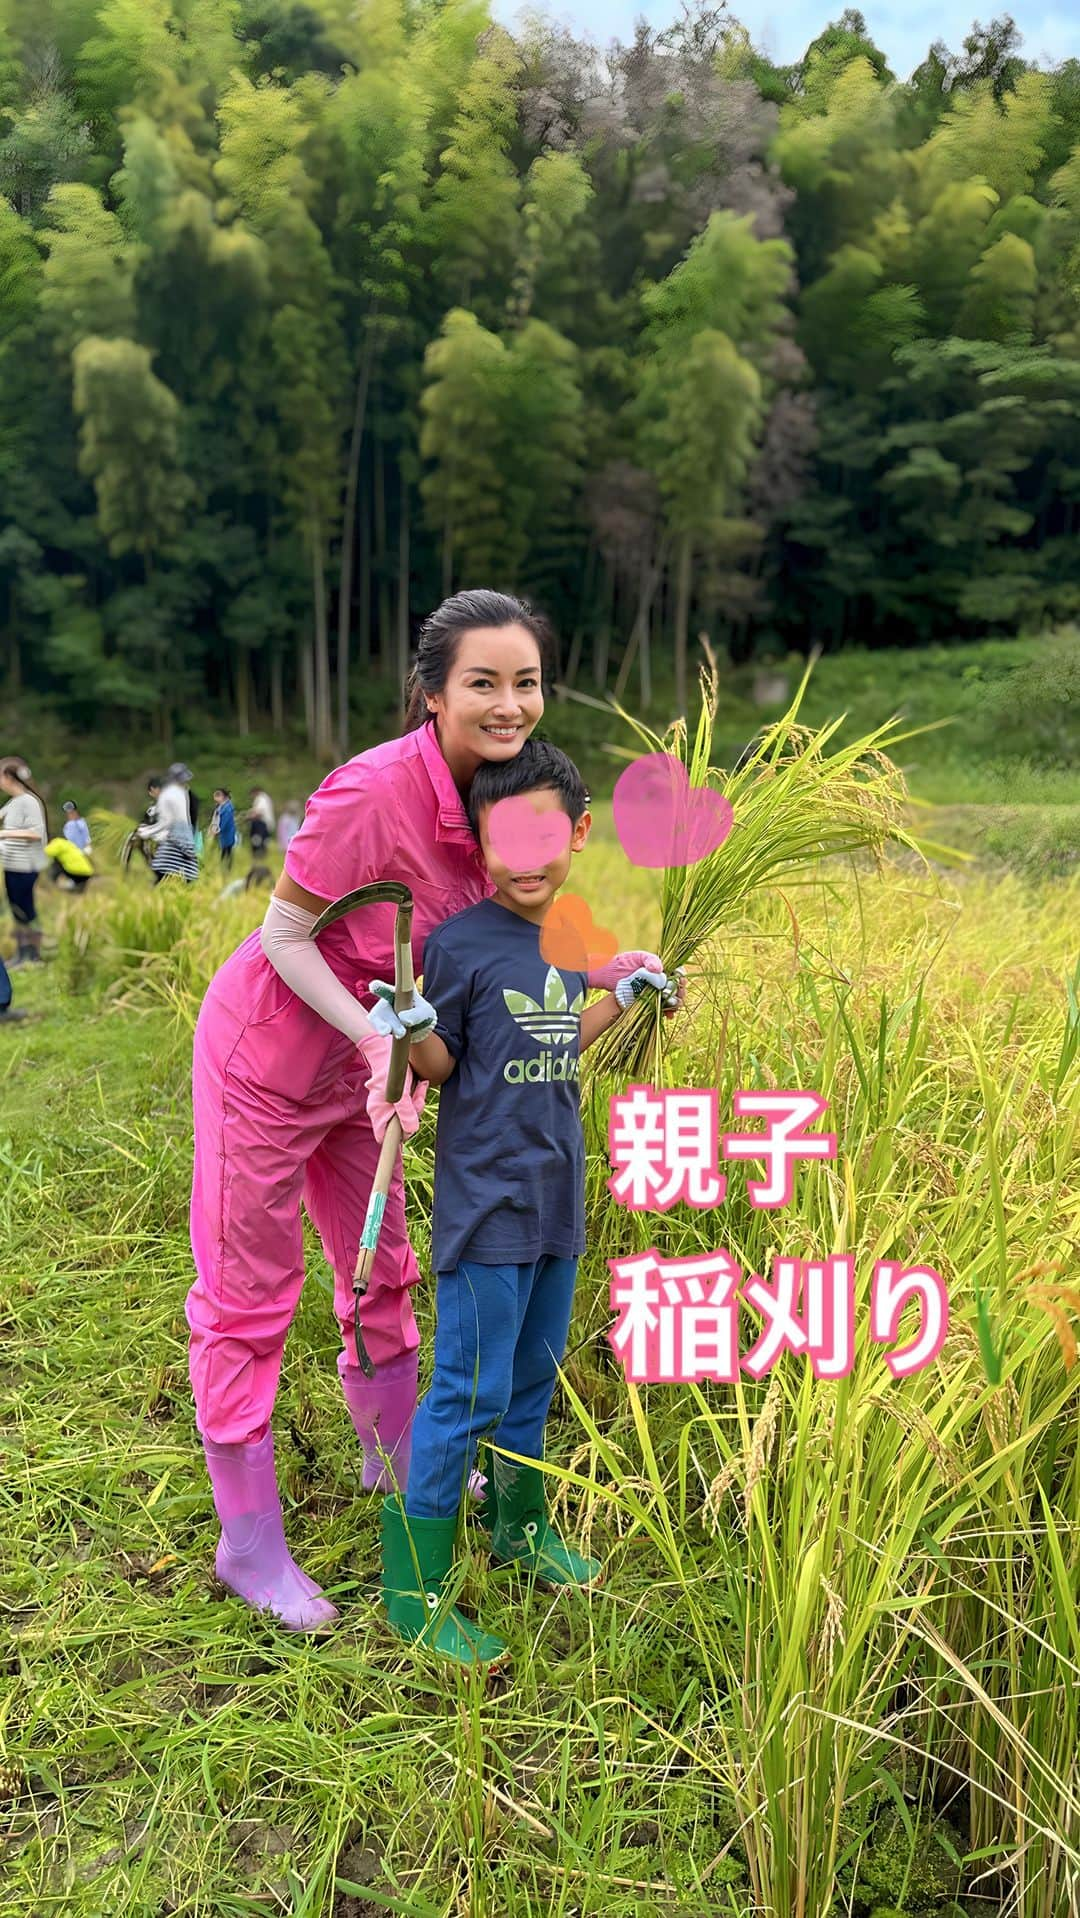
(194, 804)
(76, 828)
(136, 838)
(261, 822)
(223, 824)
(8, 1013)
(24, 835)
(71, 854)
(174, 841)
(288, 824)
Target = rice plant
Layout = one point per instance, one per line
(833, 1672)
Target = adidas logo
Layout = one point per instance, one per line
(555, 1023)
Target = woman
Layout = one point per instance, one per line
(24, 835)
(260, 817)
(291, 1052)
(174, 841)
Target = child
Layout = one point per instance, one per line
(288, 825)
(75, 827)
(508, 1215)
(260, 817)
(223, 824)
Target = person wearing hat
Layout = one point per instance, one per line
(70, 854)
(75, 827)
(174, 841)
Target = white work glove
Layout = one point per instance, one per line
(608, 975)
(646, 979)
(418, 1020)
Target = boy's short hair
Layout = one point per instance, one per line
(537, 766)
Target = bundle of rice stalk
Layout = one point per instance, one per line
(112, 832)
(797, 799)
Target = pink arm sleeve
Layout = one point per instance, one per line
(296, 958)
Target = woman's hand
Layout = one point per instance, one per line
(376, 1051)
(418, 1020)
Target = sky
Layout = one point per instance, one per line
(784, 27)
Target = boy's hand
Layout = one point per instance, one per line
(608, 975)
(672, 989)
(418, 1020)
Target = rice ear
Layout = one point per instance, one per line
(798, 798)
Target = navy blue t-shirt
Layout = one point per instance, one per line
(509, 1150)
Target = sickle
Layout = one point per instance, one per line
(384, 892)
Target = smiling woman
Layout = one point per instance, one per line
(290, 1058)
(479, 675)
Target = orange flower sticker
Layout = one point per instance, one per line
(569, 936)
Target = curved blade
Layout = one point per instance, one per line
(384, 892)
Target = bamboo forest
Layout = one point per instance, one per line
(311, 313)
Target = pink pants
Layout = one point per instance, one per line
(258, 1153)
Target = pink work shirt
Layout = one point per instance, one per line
(391, 813)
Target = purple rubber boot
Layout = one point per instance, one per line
(382, 1410)
(253, 1559)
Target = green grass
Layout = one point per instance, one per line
(835, 1669)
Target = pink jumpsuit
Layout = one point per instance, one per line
(280, 1097)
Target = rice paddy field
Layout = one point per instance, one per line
(834, 1671)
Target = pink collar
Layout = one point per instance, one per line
(453, 819)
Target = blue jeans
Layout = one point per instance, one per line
(501, 1333)
(5, 988)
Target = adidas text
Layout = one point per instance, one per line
(548, 1066)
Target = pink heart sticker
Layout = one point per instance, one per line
(661, 819)
(524, 839)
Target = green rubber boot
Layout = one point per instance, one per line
(418, 1554)
(521, 1532)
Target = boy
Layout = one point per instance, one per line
(223, 824)
(508, 1215)
(75, 827)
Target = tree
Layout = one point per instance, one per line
(462, 438)
(701, 411)
(45, 141)
(262, 166)
(380, 114)
(1000, 301)
(129, 445)
(472, 231)
(88, 282)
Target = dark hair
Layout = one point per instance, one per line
(154, 780)
(441, 635)
(537, 767)
(224, 791)
(16, 768)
